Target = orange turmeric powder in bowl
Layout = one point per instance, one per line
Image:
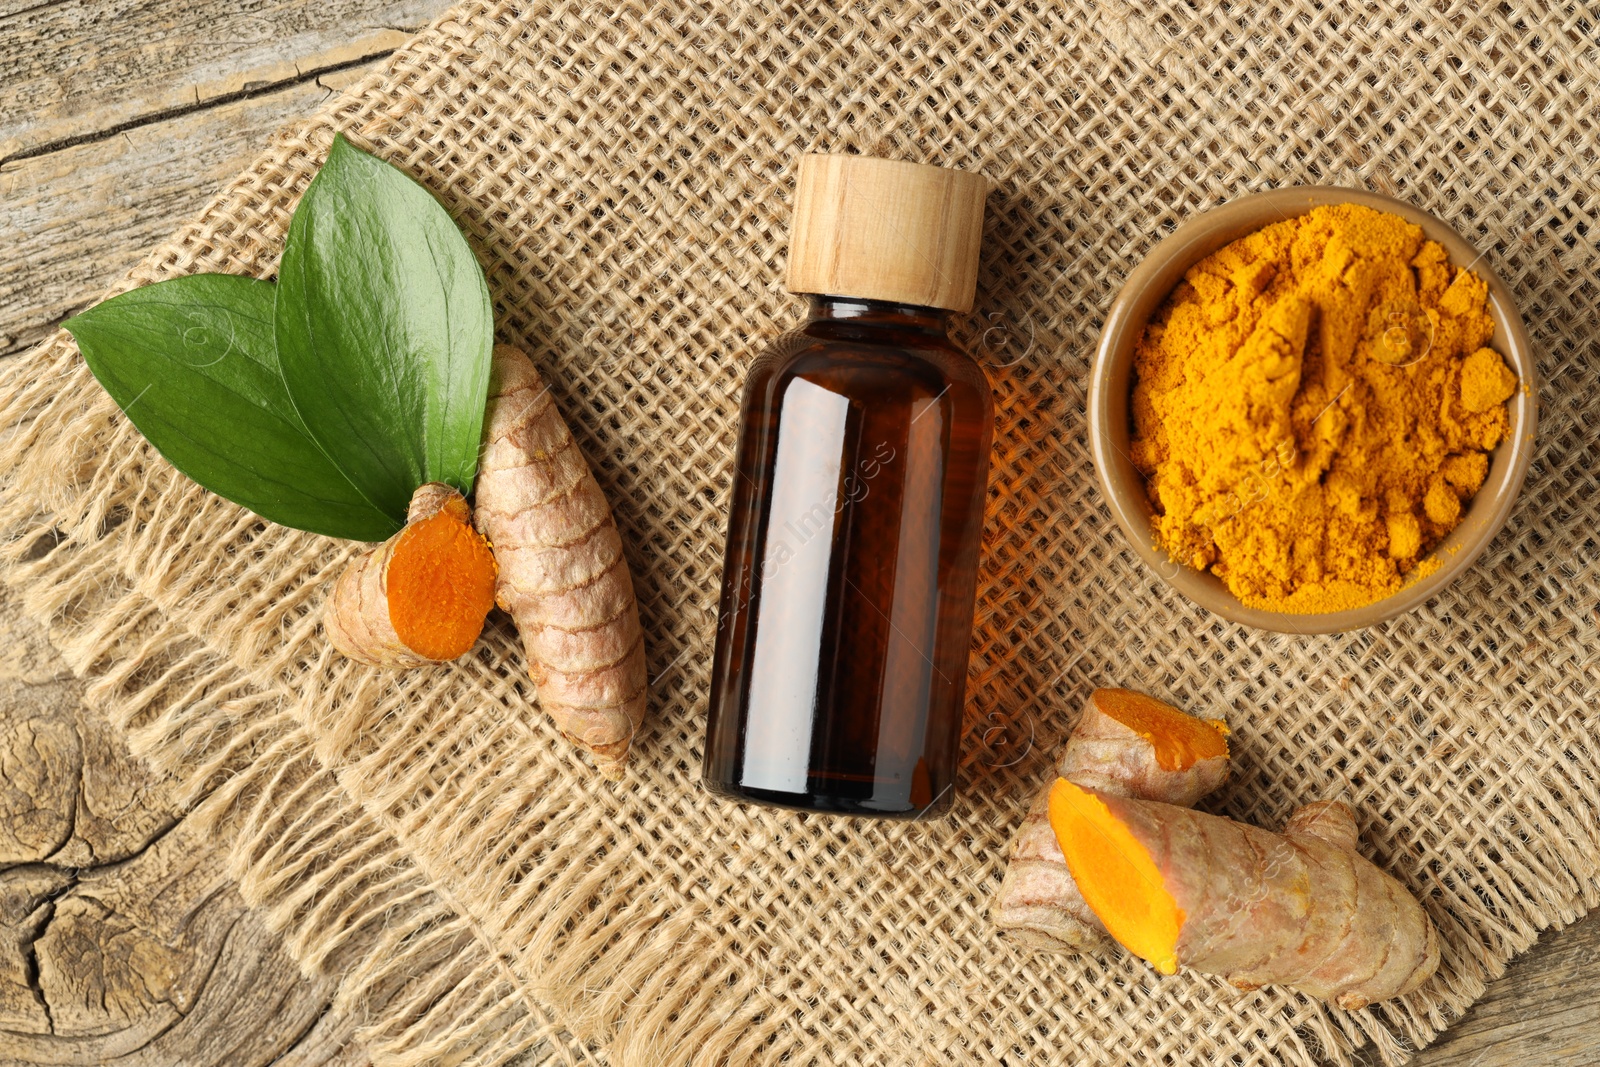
(1301, 484)
(1314, 407)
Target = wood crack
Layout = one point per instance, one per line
(303, 1035)
(215, 959)
(30, 959)
(32, 932)
(254, 89)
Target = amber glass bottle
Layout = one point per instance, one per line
(848, 582)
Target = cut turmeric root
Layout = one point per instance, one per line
(1302, 908)
(421, 596)
(1127, 744)
(563, 578)
(1134, 745)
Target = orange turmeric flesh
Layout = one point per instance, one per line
(440, 585)
(1178, 741)
(1117, 876)
(1301, 908)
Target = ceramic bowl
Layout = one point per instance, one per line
(1111, 387)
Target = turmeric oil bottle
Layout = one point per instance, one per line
(863, 455)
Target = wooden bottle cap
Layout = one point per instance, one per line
(881, 229)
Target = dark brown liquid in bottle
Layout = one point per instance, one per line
(848, 582)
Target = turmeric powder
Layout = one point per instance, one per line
(1314, 406)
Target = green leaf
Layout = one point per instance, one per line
(384, 329)
(191, 362)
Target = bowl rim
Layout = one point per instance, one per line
(1152, 280)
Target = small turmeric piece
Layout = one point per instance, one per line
(1313, 408)
(1303, 908)
(421, 596)
(1125, 743)
(563, 577)
(1134, 745)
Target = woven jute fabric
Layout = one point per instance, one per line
(625, 176)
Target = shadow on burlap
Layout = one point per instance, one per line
(625, 181)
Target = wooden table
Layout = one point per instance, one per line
(122, 939)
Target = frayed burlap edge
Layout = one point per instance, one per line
(415, 975)
(334, 876)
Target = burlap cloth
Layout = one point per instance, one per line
(625, 177)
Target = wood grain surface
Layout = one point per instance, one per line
(122, 940)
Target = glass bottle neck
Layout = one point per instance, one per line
(857, 311)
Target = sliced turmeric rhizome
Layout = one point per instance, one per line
(421, 596)
(540, 542)
(1302, 908)
(1124, 743)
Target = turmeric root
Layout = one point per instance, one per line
(1127, 744)
(563, 578)
(1134, 745)
(421, 596)
(1302, 908)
